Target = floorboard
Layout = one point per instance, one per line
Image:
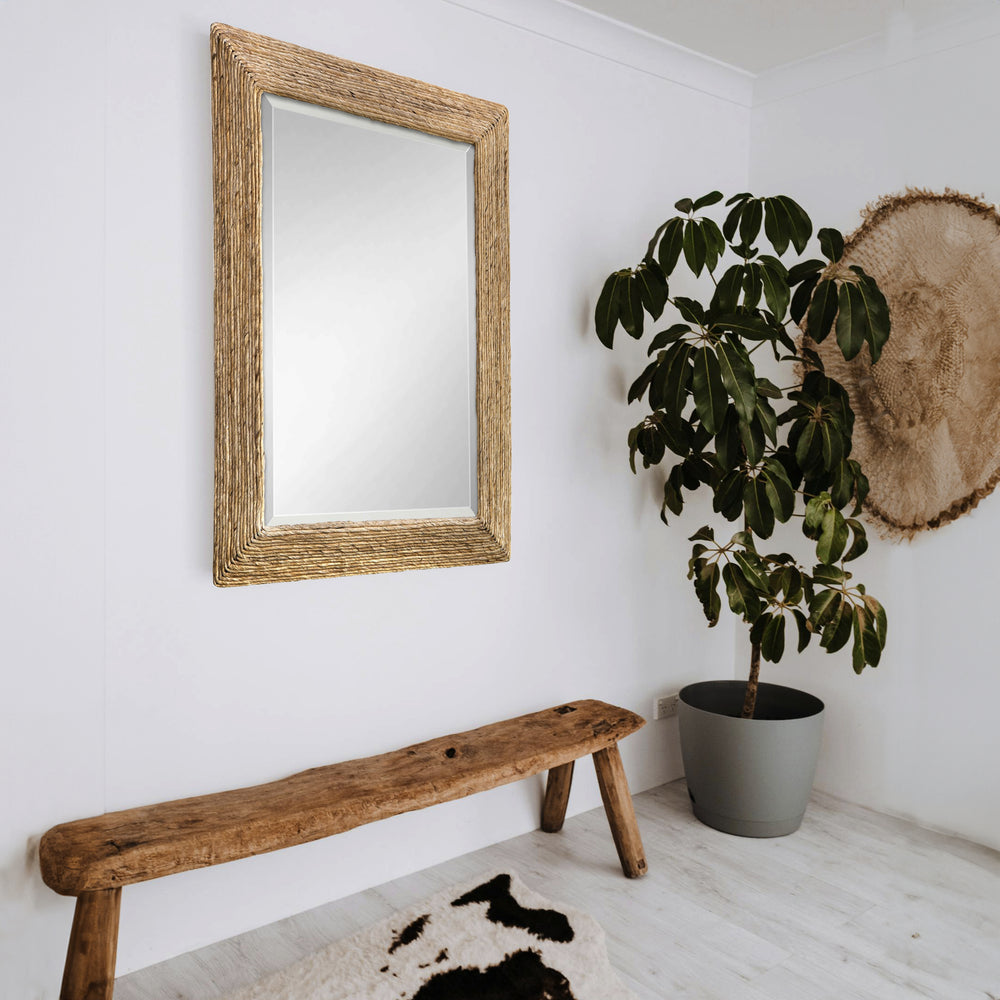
(854, 906)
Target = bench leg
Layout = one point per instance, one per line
(557, 797)
(620, 811)
(93, 945)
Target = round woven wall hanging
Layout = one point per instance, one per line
(927, 432)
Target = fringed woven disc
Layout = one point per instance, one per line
(928, 414)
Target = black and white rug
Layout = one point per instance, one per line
(494, 939)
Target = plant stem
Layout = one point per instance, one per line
(750, 698)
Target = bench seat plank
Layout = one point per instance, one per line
(148, 842)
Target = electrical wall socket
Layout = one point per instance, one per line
(665, 707)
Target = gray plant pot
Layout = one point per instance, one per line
(749, 777)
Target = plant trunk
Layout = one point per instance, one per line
(750, 698)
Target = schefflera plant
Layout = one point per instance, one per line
(767, 453)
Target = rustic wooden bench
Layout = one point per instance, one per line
(93, 858)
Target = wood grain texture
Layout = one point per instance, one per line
(93, 944)
(244, 66)
(148, 842)
(557, 787)
(620, 811)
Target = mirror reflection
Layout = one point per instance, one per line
(368, 240)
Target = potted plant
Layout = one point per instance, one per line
(768, 453)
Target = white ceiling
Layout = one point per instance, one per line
(758, 35)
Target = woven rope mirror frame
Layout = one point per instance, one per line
(245, 66)
(928, 414)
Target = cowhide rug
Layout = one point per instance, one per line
(494, 939)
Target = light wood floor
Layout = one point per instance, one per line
(854, 906)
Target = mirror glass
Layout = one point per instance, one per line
(369, 319)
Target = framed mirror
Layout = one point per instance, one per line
(361, 318)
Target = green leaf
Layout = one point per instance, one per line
(829, 575)
(633, 446)
(752, 282)
(833, 444)
(841, 485)
(808, 448)
(790, 583)
(765, 387)
(608, 308)
(727, 292)
(858, 646)
(802, 297)
(757, 508)
(870, 644)
(772, 640)
(704, 534)
(738, 377)
(749, 325)
(739, 593)
(838, 631)
(831, 242)
(805, 634)
(678, 437)
(650, 444)
(690, 309)
(732, 222)
(757, 631)
(684, 205)
(727, 442)
(712, 198)
(698, 469)
(768, 419)
(804, 269)
(727, 498)
(706, 584)
(823, 607)
(695, 246)
(777, 225)
(776, 291)
(670, 245)
(878, 612)
(669, 336)
(752, 439)
(653, 289)
(860, 544)
(833, 537)
(753, 214)
(709, 393)
(876, 311)
(672, 499)
(800, 222)
(779, 490)
(654, 239)
(641, 384)
(631, 307)
(851, 320)
(742, 196)
(812, 523)
(671, 381)
(822, 310)
(752, 568)
(715, 243)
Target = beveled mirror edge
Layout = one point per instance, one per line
(244, 65)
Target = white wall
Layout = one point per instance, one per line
(918, 737)
(128, 678)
